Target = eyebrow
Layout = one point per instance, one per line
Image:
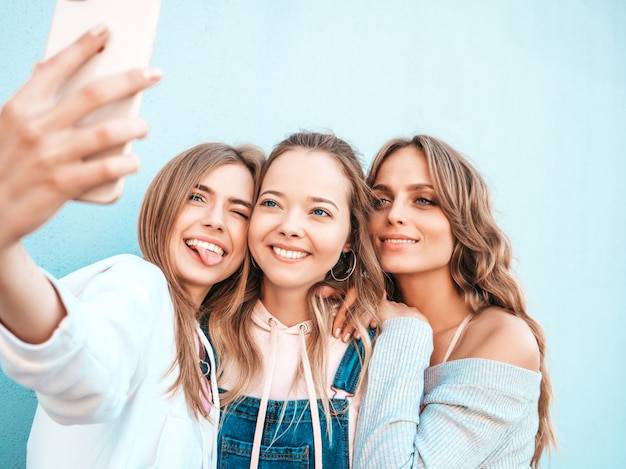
(234, 200)
(313, 199)
(410, 187)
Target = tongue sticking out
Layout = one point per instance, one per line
(208, 257)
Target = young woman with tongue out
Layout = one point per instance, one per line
(290, 389)
(114, 350)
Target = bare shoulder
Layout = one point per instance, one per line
(496, 334)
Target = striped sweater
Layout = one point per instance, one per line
(470, 413)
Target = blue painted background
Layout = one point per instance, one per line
(533, 92)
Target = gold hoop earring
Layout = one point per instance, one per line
(344, 267)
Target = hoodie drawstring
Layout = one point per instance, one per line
(206, 355)
(315, 415)
(308, 377)
(260, 420)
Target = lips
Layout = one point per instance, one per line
(289, 254)
(209, 253)
(205, 245)
(399, 241)
(395, 242)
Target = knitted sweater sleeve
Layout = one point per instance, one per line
(472, 409)
(389, 414)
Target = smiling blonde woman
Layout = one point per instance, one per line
(466, 386)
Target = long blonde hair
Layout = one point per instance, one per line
(481, 259)
(230, 329)
(163, 201)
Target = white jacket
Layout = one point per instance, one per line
(102, 378)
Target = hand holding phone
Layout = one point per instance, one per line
(132, 25)
(42, 151)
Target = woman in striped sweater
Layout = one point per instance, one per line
(465, 385)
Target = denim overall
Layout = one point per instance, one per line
(288, 433)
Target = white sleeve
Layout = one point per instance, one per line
(85, 372)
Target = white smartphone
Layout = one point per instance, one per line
(132, 25)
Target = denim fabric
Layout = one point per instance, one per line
(349, 370)
(287, 438)
(287, 441)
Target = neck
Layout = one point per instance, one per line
(434, 295)
(198, 295)
(289, 306)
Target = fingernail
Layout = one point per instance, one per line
(153, 74)
(337, 332)
(346, 337)
(98, 30)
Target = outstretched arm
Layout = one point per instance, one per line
(42, 167)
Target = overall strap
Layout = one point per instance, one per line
(349, 370)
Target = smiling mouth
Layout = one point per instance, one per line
(399, 241)
(285, 254)
(198, 244)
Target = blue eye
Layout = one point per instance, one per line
(196, 197)
(269, 203)
(424, 201)
(320, 212)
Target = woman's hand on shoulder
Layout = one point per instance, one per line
(496, 334)
(387, 310)
(42, 150)
(342, 327)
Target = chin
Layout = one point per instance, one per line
(394, 268)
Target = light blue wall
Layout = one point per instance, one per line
(533, 92)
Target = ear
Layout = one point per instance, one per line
(347, 247)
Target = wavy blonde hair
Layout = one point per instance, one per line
(481, 259)
(165, 198)
(230, 328)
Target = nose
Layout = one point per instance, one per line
(396, 214)
(291, 225)
(214, 217)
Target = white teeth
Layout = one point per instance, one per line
(289, 254)
(205, 245)
(400, 241)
